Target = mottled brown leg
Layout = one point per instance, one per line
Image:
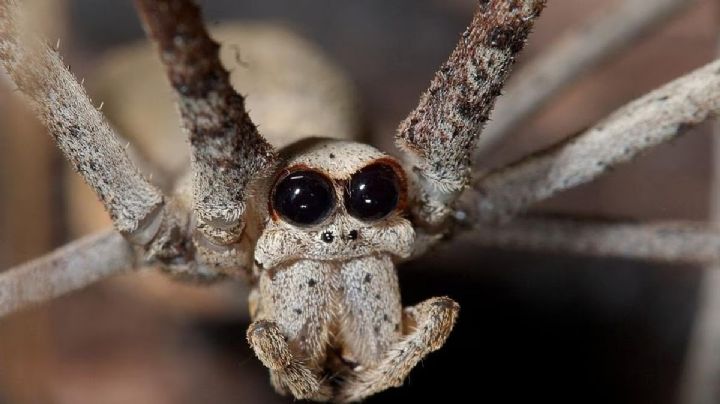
(439, 136)
(433, 320)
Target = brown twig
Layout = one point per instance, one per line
(671, 242)
(657, 117)
(71, 267)
(440, 134)
(578, 51)
(78, 128)
(227, 151)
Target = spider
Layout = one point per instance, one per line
(318, 226)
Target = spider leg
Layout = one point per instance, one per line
(287, 373)
(602, 36)
(71, 267)
(439, 136)
(430, 323)
(79, 129)
(139, 210)
(227, 150)
(657, 117)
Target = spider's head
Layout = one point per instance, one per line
(335, 200)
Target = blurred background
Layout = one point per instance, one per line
(540, 327)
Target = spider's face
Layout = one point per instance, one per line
(335, 200)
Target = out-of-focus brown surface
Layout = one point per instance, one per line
(27, 230)
(28, 226)
(559, 328)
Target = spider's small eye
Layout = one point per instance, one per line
(373, 192)
(303, 198)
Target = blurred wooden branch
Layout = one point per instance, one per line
(669, 242)
(68, 268)
(576, 52)
(654, 118)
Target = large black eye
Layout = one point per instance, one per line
(303, 198)
(373, 192)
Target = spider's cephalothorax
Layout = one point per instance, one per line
(326, 303)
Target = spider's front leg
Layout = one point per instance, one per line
(439, 136)
(228, 153)
(287, 372)
(381, 342)
(429, 324)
